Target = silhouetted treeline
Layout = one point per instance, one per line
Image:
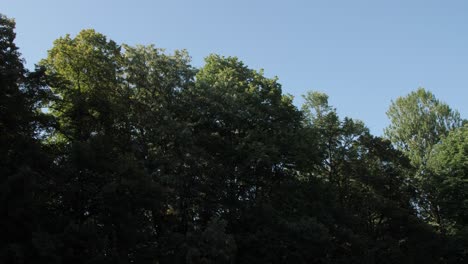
(126, 154)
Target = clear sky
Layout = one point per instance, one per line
(361, 53)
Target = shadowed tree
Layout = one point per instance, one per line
(23, 163)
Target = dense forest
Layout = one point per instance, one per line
(113, 153)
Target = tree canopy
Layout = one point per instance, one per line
(112, 153)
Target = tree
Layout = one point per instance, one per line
(246, 125)
(448, 179)
(162, 141)
(367, 179)
(108, 204)
(23, 164)
(243, 139)
(417, 122)
(85, 73)
(336, 139)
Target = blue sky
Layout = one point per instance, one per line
(361, 53)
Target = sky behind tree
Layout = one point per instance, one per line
(361, 53)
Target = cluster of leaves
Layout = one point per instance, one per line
(125, 154)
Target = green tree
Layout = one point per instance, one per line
(336, 139)
(368, 181)
(448, 165)
(162, 140)
(246, 125)
(243, 134)
(85, 73)
(418, 122)
(108, 203)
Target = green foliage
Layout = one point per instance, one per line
(85, 75)
(142, 158)
(448, 164)
(418, 122)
